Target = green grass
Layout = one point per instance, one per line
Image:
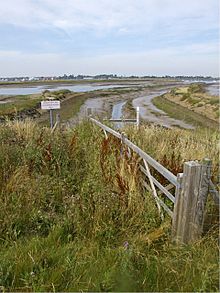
(56, 264)
(70, 106)
(182, 113)
(19, 103)
(185, 96)
(193, 101)
(128, 110)
(70, 200)
(26, 102)
(214, 101)
(196, 88)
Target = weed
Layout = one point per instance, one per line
(74, 217)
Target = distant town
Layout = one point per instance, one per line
(100, 77)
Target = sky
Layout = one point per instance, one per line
(124, 37)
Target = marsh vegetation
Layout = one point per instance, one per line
(75, 218)
(191, 104)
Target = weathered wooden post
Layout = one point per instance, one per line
(190, 201)
(51, 118)
(177, 208)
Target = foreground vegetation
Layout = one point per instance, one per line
(74, 217)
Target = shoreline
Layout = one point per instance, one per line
(74, 104)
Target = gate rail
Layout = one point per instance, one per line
(191, 190)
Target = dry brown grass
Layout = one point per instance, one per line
(199, 101)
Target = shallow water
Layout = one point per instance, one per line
(117, 113)
(117, 110)
(213, 89)
(40, 89)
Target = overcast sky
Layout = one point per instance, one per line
(141, 37)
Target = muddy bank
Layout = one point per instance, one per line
(99, 107)
(111, 106)
(151, 113)
(109, 102)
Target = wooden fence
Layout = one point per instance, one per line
(186, 204)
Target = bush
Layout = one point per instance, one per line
(196, 88)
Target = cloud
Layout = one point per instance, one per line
(157, 62)
(105, 15)
(52, 36)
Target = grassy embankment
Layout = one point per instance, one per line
(20, 103)
(14, 104)
(191, 104)
(74, 217)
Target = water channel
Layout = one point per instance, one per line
(39, 89)
(213, 89)
(148, 112)
(117, 113)
(151, 113)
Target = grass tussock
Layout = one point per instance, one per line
(74, 217)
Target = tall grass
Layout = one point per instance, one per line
(173, 147)
(74, 217)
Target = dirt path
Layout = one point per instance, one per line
(151, 113)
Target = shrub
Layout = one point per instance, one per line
(196, 88)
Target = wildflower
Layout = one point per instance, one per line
(126, 245)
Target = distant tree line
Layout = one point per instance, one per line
(104, 76)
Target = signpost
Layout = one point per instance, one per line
(138, 117)
(50, 105)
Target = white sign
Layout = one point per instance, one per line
(50, 105)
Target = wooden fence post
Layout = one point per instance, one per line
(88, 112)
(190, 200)
(202, 198)
(177, 208)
